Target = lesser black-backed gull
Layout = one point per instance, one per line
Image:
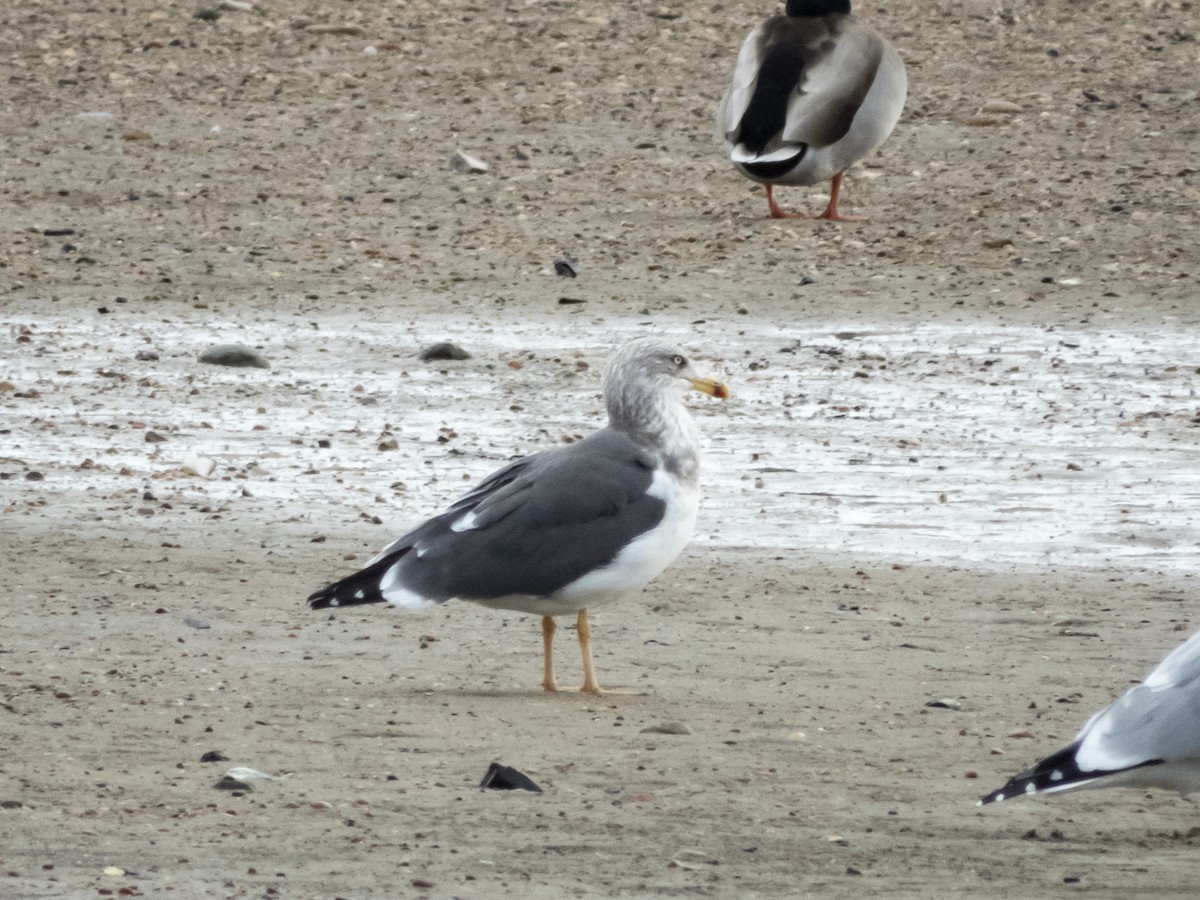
(565, 529)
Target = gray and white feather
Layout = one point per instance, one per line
(1150, 737)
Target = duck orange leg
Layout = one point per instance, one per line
(777, 212)
(831, 211)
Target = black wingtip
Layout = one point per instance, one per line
(1055, 771)
(361, 587)
(322, 599)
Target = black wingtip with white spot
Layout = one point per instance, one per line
(361, 587)
(1057, 772)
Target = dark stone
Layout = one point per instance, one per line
(444, 350)
(506, 778)
(235, 355)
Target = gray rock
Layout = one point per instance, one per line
(444, 350)
(467, 164)
(236, 355)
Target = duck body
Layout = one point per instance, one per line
(814, 90)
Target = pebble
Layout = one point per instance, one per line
(464, 162)
(351, 30)
(196, 464)
(1000, 106)
(232, 784)
(693, 859)
(505, 778)
(667, 728)
(443, 350)
(246, 774)
(235, 355)
(944, 703)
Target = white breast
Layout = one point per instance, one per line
(642, 559)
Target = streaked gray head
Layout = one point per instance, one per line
(644, 385)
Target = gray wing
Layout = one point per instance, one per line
(1157, 719)
(529, 529)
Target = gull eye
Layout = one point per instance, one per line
(679, 361)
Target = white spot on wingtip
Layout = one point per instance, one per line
(1056, 775)
(1031, 788)
(358, 595)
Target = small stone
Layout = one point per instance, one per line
(196, 464)
(235, 355)
(443, 350)
(350, 30)
(944, 703)
(666, 728)
(387, 444)
(214, 756)
(146, 356)
(565, 268)
(996, 105)
(505, 778)
(113, 871)
(153, 437)
(467, 164)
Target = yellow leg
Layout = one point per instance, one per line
(590, 685)
(548, 628)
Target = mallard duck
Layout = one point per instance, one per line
(814, 91)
